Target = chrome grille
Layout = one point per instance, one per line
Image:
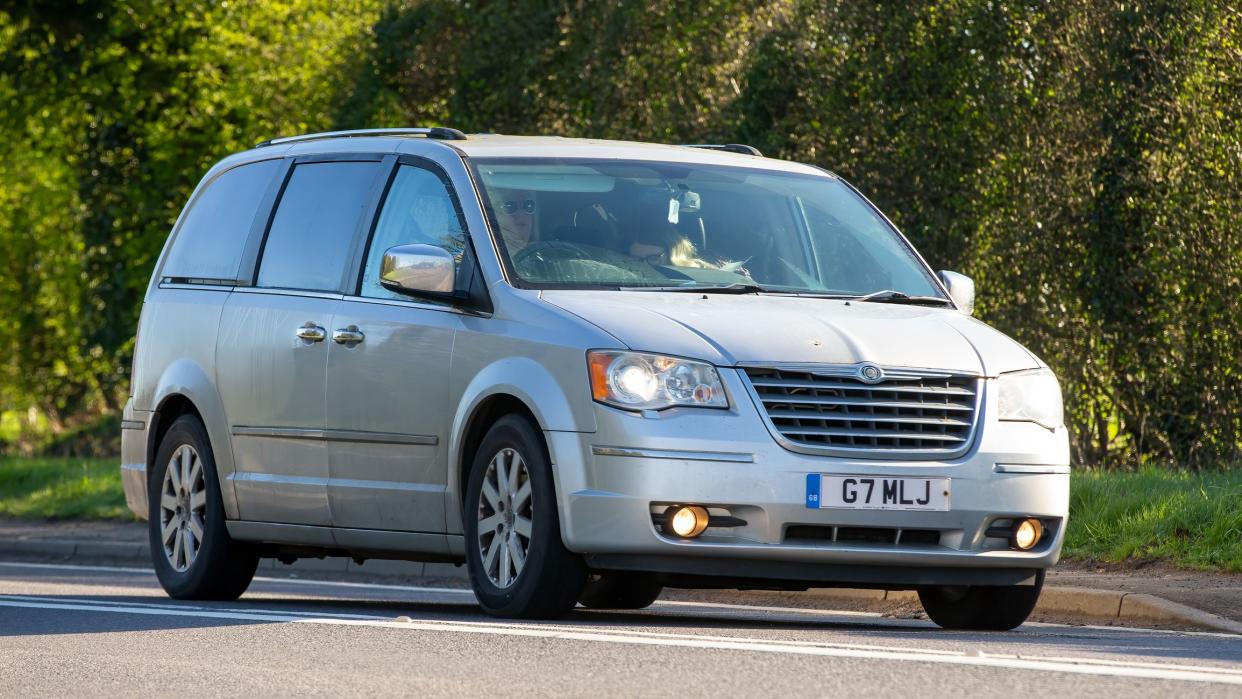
(909, 414)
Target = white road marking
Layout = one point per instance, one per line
(462, 591)
(182, 606)
(1091, 666)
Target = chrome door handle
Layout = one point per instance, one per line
(311, 332)
(348, 336)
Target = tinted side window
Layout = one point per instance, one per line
(312, 233)
(418, 209)
(209, 245)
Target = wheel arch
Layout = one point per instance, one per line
(509, 386)
(166, 413)
(185, 388)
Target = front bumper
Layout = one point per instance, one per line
(610, 481)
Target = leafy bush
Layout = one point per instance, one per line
(1081, 160)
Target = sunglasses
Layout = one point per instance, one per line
(512, 207)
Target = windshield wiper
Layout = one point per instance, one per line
(893, 296)
(734, 288)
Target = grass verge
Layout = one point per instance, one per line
(60, 488)
(1192, 520)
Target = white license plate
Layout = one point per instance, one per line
(876, 492)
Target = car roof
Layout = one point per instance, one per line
(489, 145)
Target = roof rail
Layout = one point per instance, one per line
(437, 132)
(729, 147)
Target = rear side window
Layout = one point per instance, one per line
(312, 233)
(210, 243)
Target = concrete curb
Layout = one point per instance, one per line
(66, 548)
(1078, 602)
(1150, 607)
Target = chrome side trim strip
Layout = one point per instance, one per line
(133, 425)
(259, 477)
(283, 432)
(336, 435)
(255, 477)
(379, 437)
(1031, 468)
(426, 306)
(197, 287)
(385, 485)
(274, 291)
(678, 454)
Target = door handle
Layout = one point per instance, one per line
(311, 332)
(350, 335)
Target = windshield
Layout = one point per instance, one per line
(633, 225)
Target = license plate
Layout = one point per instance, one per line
(876, 493)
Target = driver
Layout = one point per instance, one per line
(515, 212)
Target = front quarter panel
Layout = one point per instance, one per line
(531, 351)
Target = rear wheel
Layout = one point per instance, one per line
(518, 565)
(620, 590)
(193, 556)
(981, 607)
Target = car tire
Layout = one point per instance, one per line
(193, 555)
(518, 565)
(981, 607)
(620, 590)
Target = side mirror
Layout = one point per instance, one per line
(961, 288)
(418, 270)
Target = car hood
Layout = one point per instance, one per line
(729, 329)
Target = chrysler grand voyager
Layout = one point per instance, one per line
(586, 370)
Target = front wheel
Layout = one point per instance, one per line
(981, 607)
(518, 565)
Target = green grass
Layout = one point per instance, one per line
(1192, 520)
(62, 489)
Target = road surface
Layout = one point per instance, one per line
(95, 630)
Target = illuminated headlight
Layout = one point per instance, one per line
(640, 381)
(1030, 396)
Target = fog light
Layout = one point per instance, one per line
(686, 521)
(1026, 534)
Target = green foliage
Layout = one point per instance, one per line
(1192, 520)
(1080, 159)
(62, 489)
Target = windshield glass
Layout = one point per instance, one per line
(627, 224)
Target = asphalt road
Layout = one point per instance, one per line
(77, 630)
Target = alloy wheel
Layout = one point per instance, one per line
(505, 517)
(183, 508)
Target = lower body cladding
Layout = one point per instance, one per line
(767, 531)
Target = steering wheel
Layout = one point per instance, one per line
(552, 250)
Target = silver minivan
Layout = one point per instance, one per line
(587, 370)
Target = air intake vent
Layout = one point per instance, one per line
(902, 414)
(820, 534)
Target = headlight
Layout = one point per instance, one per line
(1030, 396)
(639, 381)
